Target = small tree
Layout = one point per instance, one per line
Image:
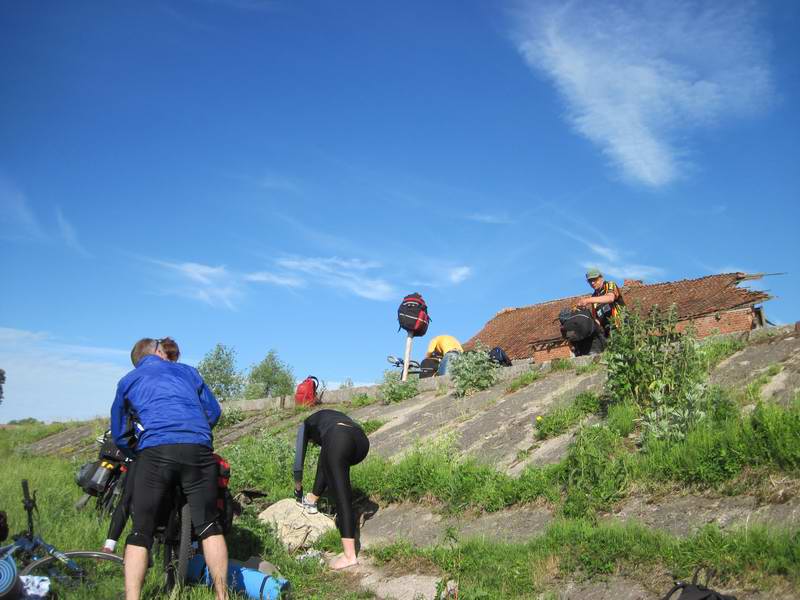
(2, 382)
(473, 371)
(270, 377)
(218, 369)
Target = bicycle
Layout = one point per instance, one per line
(111, 494)
(414, 368)
(175, 537)
(65, 570)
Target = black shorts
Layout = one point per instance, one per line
(159, 470)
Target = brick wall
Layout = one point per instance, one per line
(733, 321)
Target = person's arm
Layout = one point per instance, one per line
(300, 446)
(119, 418)
(210, 404)
(604, 299)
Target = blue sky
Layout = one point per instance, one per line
(279, 174)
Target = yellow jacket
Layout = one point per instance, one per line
(443, 344)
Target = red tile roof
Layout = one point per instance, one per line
(519, 331)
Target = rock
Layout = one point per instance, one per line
(294, 527)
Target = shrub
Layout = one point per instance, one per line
(230, 416)
(521, 381)
(650, 362)
(394, 390)
(473, 371)
(362, 399)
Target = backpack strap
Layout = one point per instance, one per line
(679, 585)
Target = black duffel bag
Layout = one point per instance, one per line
(577, 324)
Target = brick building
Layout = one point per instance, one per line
(713, 304)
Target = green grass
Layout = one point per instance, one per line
(362, 399)
(752, 392)
(372, 425)
(560, 420)
(755, 557)
(587, 368)
(561, 364)
(523, 380)
(230, 416)
(715, 350)
(61, 525)
(14, 437)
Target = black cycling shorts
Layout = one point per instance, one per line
(159, 469)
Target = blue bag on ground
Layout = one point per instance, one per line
(254, 584)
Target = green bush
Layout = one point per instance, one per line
(230, 416)
(362, 399)
(472, 371)
(394, 390)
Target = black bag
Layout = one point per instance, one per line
(109, 450)
(84, 477)
(695, 591)
(429, 366)
(3, 526)
(577, 324)
(498, 355)
(412, 315)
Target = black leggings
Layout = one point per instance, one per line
(343, 447)
(120, 516)
(159, 470)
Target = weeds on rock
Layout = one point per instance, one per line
(561, 419)
(362, 399)
(473, 371)
(230, 416)
(524, 380)
(394, 390)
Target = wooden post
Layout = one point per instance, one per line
(407, 356)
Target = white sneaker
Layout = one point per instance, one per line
(309, 507)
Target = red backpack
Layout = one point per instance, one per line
(306, 394)
(412, 315)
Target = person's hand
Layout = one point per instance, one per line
(298, 495)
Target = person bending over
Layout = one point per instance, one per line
(445, 346)
(343, 444)
(176, 411)
(123, 510)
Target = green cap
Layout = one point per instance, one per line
(593, 273)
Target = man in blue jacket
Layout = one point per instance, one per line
(175, 411)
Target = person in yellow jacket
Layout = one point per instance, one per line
(445, 346)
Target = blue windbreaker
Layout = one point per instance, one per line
(170, 401)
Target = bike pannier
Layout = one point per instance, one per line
(109, 451)
(412, 315)
(576, 325)
(306, 394)
(93, 477)
(429, 366)
(498, 355)
(225, 501)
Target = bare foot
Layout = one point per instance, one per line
(343, 562)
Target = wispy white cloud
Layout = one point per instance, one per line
(213, 285)
(279, 280)
(69, 234)
(490, 219)
(18, 222)
(611, 261)
(49, 379)
(351, 275)
(459, 274)
(627, 270)
(638, 76)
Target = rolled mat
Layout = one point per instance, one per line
(252, 583)
(9, 582)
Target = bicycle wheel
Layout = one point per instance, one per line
(177, 547)
(99, 575)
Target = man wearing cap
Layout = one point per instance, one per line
(606, 300)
